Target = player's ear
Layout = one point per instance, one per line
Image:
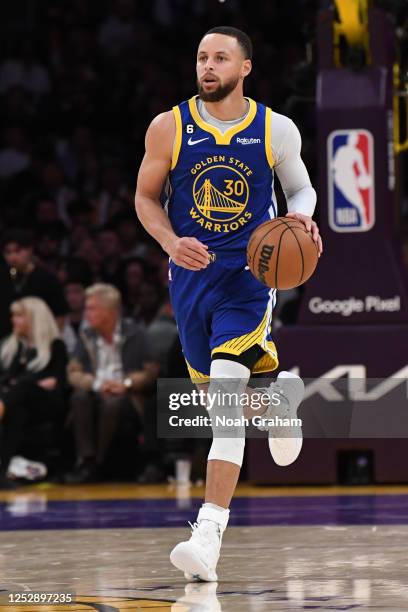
(246, 68)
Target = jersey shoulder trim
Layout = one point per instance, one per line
(221, 138)
(268, 139)
(178, 137)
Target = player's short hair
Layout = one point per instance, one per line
(243, 39)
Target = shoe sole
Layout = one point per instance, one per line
(285, 451)
(187, 560)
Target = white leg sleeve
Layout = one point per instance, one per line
(227, 378)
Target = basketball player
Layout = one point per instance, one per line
(218, 152)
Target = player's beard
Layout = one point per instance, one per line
(218, 94)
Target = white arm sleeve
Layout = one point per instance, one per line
(289, 166)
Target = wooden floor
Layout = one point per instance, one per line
(286, 549)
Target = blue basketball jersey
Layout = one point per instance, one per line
(221, 185)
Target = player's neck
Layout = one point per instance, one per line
(234, 106)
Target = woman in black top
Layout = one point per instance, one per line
(33, 362)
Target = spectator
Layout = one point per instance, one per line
(18, 107)
(117, 31)
(111, 365)
(33, 363)
(132, 276)
(114, 197)
(80, 214)
(162, 333)
(52, 180)
(72, 153)
(110, 249)
(25, 71)
(89, 252)
(163, 272)
(6, 292)
(46, 213)
(129, 232)
(49, 245)
(74, 269)
(15, 156)
(29, 278)
(75, 296)
(149, 302)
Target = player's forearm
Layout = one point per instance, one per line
(290, 168)
(155, 221)
(302, 201)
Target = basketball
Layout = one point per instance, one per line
(281, 253)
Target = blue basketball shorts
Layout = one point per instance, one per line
(222, 309)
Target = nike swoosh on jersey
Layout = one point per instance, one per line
(193, 142)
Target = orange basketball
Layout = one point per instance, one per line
(281, 253)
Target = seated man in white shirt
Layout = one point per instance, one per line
(111, 364)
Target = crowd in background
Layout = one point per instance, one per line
(80, 81)
(77, 94)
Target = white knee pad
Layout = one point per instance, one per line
(230, 377)
(227, 449)
(225, 368)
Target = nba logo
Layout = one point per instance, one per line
(350, 157)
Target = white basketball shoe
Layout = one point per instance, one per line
(20, 467)
(198, 557)
(285, 443)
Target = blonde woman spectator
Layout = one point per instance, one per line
(33, 362)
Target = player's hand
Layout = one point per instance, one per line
(189, 253)
(311, 226)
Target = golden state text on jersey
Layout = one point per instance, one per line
(221, 184)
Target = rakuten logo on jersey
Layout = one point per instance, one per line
(352, 305)
(247, 141)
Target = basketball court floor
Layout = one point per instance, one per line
(286, 549)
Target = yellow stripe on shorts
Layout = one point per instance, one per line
(236, 346)
(197, 377)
